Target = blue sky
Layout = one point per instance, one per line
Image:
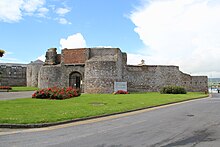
(101, 23)
(166, 32)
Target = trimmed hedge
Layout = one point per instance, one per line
(173, 90)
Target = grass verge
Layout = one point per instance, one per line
(32, 111)
(16, 89)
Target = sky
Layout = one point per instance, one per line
(184, 33)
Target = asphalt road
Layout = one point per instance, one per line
(191, 124)
(15, 95)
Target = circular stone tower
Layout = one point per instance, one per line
(104, 67)
(32, 73)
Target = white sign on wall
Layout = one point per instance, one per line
(120, 86)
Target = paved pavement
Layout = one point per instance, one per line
(15, 95)
(191, 124)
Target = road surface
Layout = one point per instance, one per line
(191, 124)
(15, 95)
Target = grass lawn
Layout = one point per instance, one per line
(16, 89)
(29, 111)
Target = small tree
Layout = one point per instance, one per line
(2, 53)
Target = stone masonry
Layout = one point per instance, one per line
(94, 70)
(12, 74)
(32, 73)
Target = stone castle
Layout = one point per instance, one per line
(94, 70)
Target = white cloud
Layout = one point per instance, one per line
(181, 32)
(31, 6)
(10, 10)
(73, 41)
(42, 12)
(14, 10)
(63, 21)
(42, 57)
(62, 11)
(135, 59)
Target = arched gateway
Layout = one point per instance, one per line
(75, 80)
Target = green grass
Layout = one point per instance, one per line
(29, 111)
(16, 89)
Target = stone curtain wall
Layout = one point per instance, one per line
(12, 75)
(153, 78)
(199, 83)
(150, 78)
(74, 56)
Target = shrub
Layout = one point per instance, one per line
(56, 93)
(121, 92)
(173, 90)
